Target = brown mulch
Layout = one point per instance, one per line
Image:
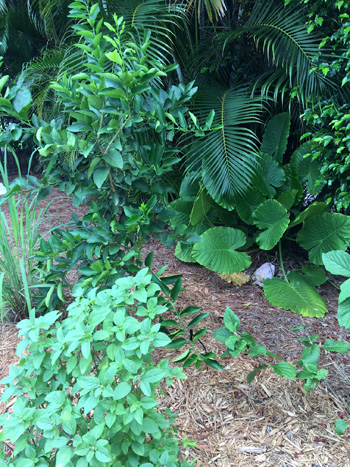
(269, 423)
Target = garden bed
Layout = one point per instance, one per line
(270, 423)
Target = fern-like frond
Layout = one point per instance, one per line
(281, 32)
(229, 155)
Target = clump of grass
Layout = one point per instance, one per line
(19, 237)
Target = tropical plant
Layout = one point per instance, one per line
(272, 211)
(93, 399)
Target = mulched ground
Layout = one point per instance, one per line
(270, 423)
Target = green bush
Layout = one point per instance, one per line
(86, 388)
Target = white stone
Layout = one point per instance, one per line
(266, 271)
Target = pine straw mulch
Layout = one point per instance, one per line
(269, 423)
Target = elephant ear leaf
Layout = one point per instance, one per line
(276, 135)
(337, 262)
(270, 175)
(323, 233)
(307, 168)
(247, 204)
(297, 295)
(218, 250)
(201, 207)
(314, 275)
(183, 252)
(274, 219)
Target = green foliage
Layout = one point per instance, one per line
(241, 343)
(276, 136)
(338, 262)
(271, 212)
(218, 250)
(86, 388)
(297, 295)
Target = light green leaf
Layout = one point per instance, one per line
(122, 390)
(217, 251)
(276, 135)
(231, 320)
(336, 346)
(183, 252)
(337, 262)
(63, 456)
(222, 334)
(285, 369)
(324, 233)
(344, 291)
(340, 426)
(344, 313)
(296, 295)
(273, 217)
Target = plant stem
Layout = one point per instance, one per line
(281, 260)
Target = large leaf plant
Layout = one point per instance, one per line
(272, 211)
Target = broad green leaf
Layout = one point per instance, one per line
(231, 320)
(344, 291)
(189, 186)
(217, 251)
(122, 390)
(274, 218)
(100, 175)
(269, 175)
(201, 207)
(296, 295)
(344, 313)
(22, 102)
(63, 456)
(337, 262)
(287, 198)
(314, 275)
(183, 252)
(340, 426)
(285, 369)
(324, 233)
(311, 354)
(276, 135)
(336, 346)
(312, 210)
(307, 168)
(248, 203)
(182, 210)
(222, 334)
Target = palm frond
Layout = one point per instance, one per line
(288, 46)
(228, 155)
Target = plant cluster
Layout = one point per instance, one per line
(271, 212)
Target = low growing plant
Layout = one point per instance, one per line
(305, 369)
(86, 389)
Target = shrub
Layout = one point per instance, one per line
(86, 389)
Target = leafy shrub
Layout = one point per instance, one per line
(86, 388)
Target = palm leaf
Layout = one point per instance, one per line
(282, 33)
(228, 155)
